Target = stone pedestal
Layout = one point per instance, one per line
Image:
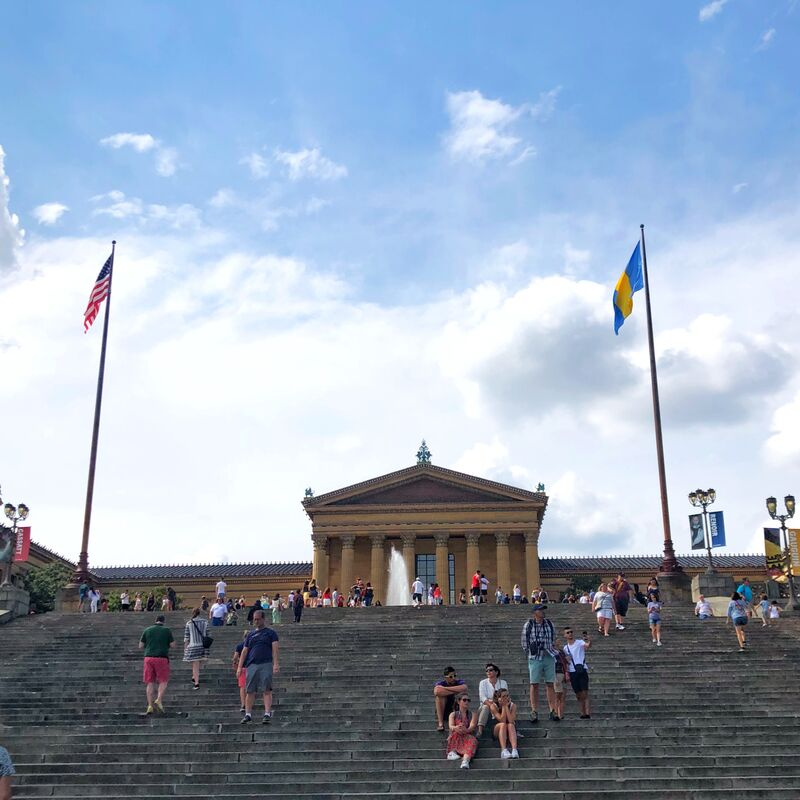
(16, 602)
(68, 597)
(712, 584)
(675, 588)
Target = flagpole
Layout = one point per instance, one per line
(670, 563)
(82, 571)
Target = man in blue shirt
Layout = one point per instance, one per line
(747, 595)
(260, 659)
(6, 771)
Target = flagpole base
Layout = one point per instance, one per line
(712, 584)
(675, 588)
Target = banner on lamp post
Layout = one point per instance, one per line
(23, 548)
(774, 552)
(696, 531)
(794, 550)
(716, 526)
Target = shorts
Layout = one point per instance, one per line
(241, 681)
(544, 669)
(604, 613)
(326, 603)
(558, 685)
(704, 616)
(156, 670)
(476, 590)
(259, 678)
(622, 606)
(217, 621)
(740, 620)
(416, 597)
(654, 619)
(579, 681)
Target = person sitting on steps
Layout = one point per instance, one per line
(486, 692)
(445, 693)
(461, 742)
(504, 713)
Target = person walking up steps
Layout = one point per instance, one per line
(538, 637)
(260, 659)
(156, 641)
(737, 614)
(194, 651)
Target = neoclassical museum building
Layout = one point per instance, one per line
(446, 524)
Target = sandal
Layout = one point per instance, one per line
(440, 728)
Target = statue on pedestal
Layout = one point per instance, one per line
(7, 545)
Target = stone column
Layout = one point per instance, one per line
(473, 554)
(532, 559)
(503, 562)
(443, 565)
(320, 568)
(409, 551)
(377, 575)
(348, 542)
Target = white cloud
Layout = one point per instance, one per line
(309, 163)
(257, 164)
(133, 208)
(711, 10)
(546, 104)
(166, 158)
(49, 213)
(223, 198)
(766, 39)
(783, 445)
(479, 126)
(140, 142)
(740, 187)
(11, 234)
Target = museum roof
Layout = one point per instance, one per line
(630, 563)
(215, 571)
(568, 564)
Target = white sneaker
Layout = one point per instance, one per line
(515, 753)
(505, 753)
(464, 763)
(658, 643)
(654, 641)
(620, 627)
(453, 756)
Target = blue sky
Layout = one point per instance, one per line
(345, 226)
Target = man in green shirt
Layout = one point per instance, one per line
(156, 641)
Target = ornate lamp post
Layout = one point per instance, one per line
(772, 508)
(14, 514)
(704, 498)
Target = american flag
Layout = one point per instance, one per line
(99, 293)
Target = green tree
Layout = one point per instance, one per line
(43, 584)
(581, 584)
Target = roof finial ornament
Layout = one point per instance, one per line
(309, 492)
(540, 487)
(423, 454)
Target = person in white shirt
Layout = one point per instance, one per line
(585, 598)
(94, 599)
(124, 601)
(575, 651)
(218, 612)
(484, 588)
(517, 595)
(498, 596)
(334, 597)
(486, 689)
(221, 588)
(703, 608)
(417, 590)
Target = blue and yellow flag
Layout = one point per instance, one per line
(629, 282)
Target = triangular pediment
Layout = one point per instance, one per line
(424, 484)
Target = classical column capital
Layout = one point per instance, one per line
(532, 537)
(409, 540)
(320, 541)
(377, 540)
(473, 538)
(441, 539)
(502, 538)
(348, 541)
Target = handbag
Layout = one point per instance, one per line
(207, 640)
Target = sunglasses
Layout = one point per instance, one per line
(567, 633)
(491, 670)
(465, 700)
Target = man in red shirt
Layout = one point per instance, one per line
(476, 587)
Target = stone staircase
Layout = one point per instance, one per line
(354, 713)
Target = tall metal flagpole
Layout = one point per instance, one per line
(670, 563)
(82, 571)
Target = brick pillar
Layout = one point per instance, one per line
(442, 565)
(409, 545)
(503, 562)
(473, 555)
(532, 559)
(377, 575)
(348, 542)
(321, 564)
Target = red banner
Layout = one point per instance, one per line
(23, 544)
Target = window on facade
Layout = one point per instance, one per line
(426, 569)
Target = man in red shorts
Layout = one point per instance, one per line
(156, 641)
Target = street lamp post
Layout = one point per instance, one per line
(14, 514)
(772, 508)
(704, 498)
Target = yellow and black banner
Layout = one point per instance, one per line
(774, 552)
